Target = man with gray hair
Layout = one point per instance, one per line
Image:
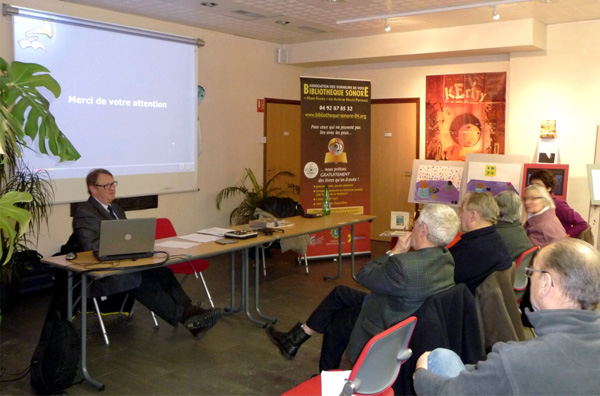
(417, 267)
(480, 250)
(562, 360)
(509, 223)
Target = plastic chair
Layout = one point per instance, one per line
(377, 366)
(521, 281)
(165, 229)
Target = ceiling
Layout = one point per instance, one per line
(316, 20)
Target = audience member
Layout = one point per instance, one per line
(156, 288)
(509, 223)
(399, 282)
(571, 221)
(542, 225)
(562, 360)
(480, 250)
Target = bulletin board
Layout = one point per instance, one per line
(494, 173)
(436, 181)
(561, 175)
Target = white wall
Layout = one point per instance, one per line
(561, 83)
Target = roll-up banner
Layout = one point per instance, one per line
(336, 152)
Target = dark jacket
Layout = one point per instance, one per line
(477, 255)
(86, 236)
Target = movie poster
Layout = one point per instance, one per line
(335, 152)
(465, 113)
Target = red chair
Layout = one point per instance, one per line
(377, 367)
(165, 229)
(521, 281)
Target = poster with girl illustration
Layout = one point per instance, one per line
(465, 113)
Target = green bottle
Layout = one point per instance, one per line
(326, 202)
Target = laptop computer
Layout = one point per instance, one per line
(126, 239)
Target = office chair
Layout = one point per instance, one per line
(377, 366)
(165, 229)
(521, 281)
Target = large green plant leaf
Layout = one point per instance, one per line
(19, 83)
(14, 221)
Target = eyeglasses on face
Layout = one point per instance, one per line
(530, 270)
(107, 186)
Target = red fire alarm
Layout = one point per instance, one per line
(260, 105)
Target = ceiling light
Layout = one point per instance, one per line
(209, 4)
(425, 11)
(283, 22)
(495, 15)
(387, 27)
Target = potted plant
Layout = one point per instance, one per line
(257, 193)
(25, 196)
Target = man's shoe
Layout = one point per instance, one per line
(289, 342)
(199, 324)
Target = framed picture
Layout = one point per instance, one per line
(594, 183)
(561, 174)
(400, 221)
(494, 173)
(436, 181)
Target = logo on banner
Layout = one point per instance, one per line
(336, 151)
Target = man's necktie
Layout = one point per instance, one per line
(112, 212)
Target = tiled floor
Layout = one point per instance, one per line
(234, 358)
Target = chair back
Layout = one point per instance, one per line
(497, 309)
(378, 364)
(164, 228)
(521, 281)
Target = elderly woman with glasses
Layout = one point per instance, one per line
(542, 225)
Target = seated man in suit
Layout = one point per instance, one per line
(156, 288)
(399, 282)
(562, 360)
(480, 250)
(509, 223)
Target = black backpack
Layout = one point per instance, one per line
(55, 360)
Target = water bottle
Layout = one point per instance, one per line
(326, 202)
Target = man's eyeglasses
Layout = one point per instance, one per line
(530, 270)
(107, 186)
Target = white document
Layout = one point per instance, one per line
(332, 382)
(216, 231)
(175, 244)
(200, 238)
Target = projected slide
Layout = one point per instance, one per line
(128, 103)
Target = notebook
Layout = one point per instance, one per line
(126, 239)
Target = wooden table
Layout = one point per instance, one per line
(89, 267)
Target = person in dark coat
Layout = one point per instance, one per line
(480, 250)
(509, 223)
(156, 288)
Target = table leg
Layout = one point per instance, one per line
(229, 310)
(256, 286)
(70, 297)
(339, 257)
(246, 287)
(83, 363)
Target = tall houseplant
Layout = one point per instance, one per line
(25, 196)
(253, 196)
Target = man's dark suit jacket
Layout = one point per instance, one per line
(86, 236)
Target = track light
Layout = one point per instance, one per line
(495, 15)
(387, 27)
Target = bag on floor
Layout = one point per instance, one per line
(55, 360)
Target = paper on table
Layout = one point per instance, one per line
(200, 238)
(214, 231)
(175, 244)
(332, 382)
